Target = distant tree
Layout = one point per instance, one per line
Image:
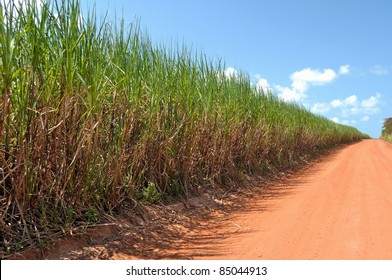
(387, 128)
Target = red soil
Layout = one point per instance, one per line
(340, 208)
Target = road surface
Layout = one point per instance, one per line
(340, 208)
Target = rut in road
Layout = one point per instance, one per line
(341, 208)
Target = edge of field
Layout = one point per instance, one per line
(159, 231)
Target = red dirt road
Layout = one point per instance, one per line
(340, 208)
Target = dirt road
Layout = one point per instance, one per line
(341, 208)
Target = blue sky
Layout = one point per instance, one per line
(332, 56)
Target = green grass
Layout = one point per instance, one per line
(387, 138)
(93, 115)
(386, 133)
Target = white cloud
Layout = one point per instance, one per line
(370, 106)
(354, 110)
(290, 95)
(335, 119)
(379, 70)
(302, 80)
(336, 103)
(346, 122)
(307, 77)
(320, 108)
(352, 106)
(230, 72)
(348, 106)
(351, 100)
(344, 69)
(371, 102)
(365, 118)
(263, 85)
(300, 85)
